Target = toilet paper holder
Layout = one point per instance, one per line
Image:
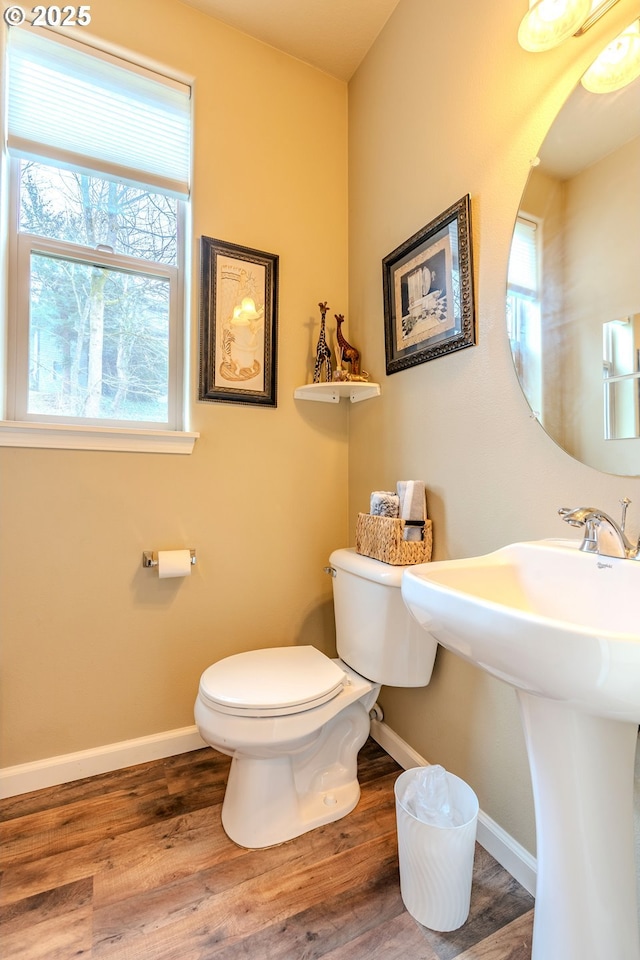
(150, 559)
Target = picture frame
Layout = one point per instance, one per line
(238, 323)
(427, 281)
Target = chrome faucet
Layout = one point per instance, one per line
(602, 535)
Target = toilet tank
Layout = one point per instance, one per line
(375, 633)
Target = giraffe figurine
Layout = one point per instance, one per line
(323, 350)
(349, 353)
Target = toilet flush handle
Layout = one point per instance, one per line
(331, 571)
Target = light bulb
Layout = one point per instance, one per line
(548, 22)
(617, 65)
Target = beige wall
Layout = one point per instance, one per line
(446, 104)
(96, 649)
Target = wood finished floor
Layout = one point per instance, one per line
(134, 865)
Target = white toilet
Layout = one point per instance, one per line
(294, 720)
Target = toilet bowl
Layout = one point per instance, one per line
(293, 720)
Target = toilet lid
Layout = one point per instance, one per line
(274, 682)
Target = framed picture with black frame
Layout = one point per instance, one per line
(427, 284)
(238, 323)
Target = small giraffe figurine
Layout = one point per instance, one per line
(323, 350)
(349, 353)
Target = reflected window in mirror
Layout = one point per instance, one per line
(523, 308)
(621, 372)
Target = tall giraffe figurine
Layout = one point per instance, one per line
(349, 353)
(323, 350)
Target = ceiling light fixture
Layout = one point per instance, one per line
(617, 65)
(548, 23)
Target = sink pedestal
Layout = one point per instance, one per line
(582, 771)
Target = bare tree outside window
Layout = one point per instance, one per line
(99, 327)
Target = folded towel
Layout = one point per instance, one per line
(385, 503)
(413, 508)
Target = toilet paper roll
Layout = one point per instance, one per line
(174, 563)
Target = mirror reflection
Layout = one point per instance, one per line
(573, 298)
(621, 374)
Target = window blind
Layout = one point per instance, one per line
(95, 112)
(523, 261)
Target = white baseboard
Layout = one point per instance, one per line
(508, 852)
(26, 777)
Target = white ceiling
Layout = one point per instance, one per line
(333, 35)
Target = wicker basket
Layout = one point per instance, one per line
(381, 538)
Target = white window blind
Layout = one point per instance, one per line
(523, 261)
(97, 113)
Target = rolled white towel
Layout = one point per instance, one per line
(384, 503)
(413, 507)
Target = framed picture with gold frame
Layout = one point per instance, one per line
(428, 291)
(238, 323)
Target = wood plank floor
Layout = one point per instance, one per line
(134, 865)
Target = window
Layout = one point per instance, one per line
(99, 169)
(621, 373)
(523, 309)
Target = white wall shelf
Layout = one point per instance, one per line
(355, 390)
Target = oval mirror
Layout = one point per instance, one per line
(573, 297)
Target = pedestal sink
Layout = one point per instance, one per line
(563, 628)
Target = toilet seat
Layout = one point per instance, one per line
(275, 682)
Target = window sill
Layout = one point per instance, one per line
(59, 436)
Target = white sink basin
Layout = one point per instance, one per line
(563, 628)
(544, 617)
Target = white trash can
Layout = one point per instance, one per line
(436, 862)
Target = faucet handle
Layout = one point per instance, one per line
(565, 513)
(624, 503)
